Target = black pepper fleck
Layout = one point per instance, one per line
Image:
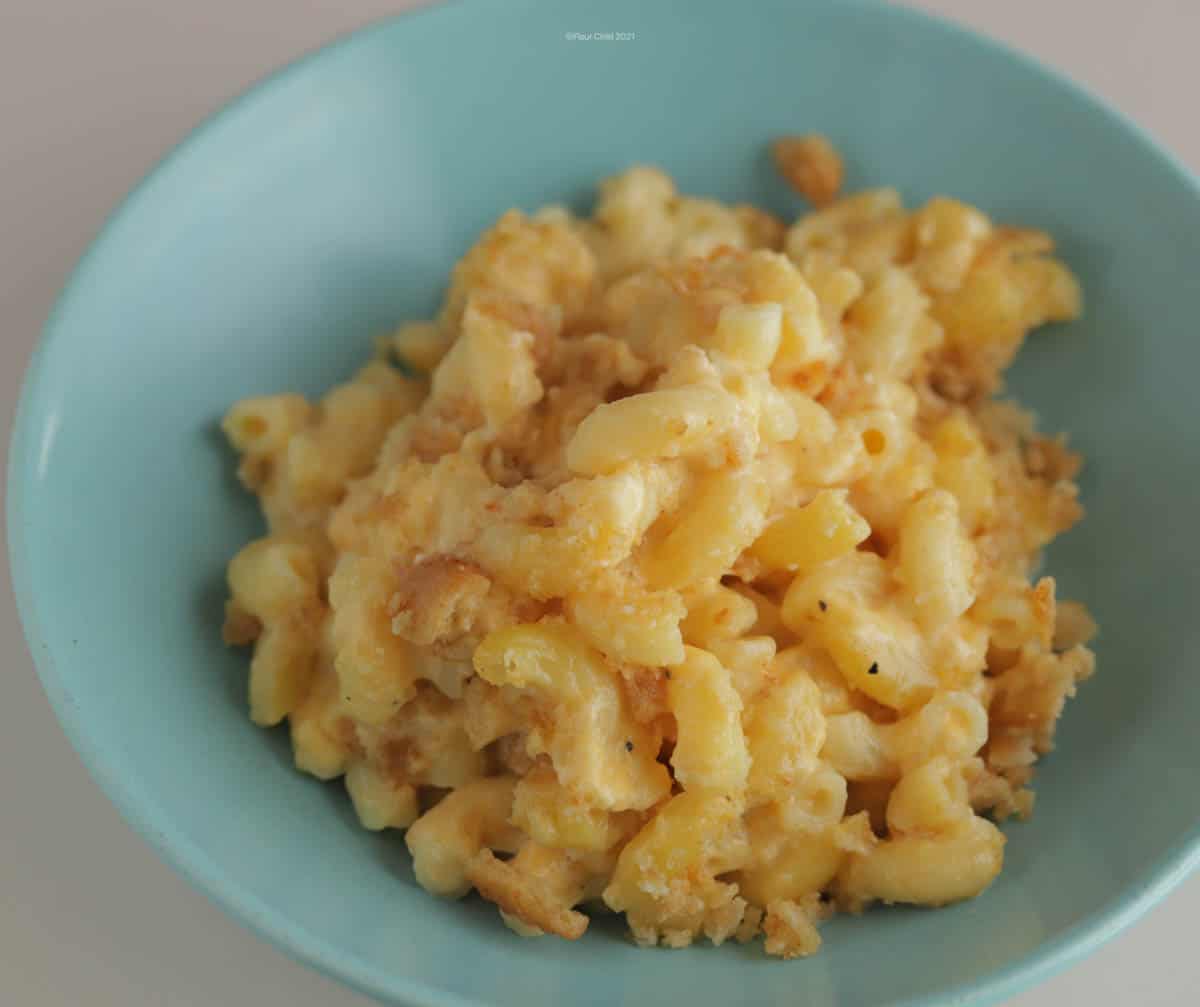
(874, 669)
(668, 674)
(629, 746)
(822, 606)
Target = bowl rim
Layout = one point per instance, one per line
(25, 458)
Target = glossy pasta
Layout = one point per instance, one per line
(683, 566)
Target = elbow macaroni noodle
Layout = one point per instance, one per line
(684, 561)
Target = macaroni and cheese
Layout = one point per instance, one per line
(683, 566)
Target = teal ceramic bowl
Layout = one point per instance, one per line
(329, 203)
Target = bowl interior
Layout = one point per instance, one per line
(269, 250)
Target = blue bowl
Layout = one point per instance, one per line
(312, 215)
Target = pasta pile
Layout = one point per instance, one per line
(684, 566)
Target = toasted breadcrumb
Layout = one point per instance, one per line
(520, 896)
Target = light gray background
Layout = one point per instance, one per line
(92, 92)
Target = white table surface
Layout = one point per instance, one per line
(92, 92)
